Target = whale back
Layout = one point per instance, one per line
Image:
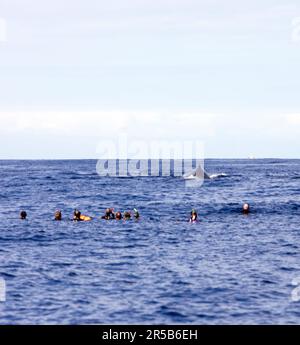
(201, 173)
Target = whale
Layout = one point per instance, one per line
(199, 173)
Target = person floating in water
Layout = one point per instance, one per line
(118, 216)
(78, 217)
(23, 215)
(58, 216)
(246, 209)
(136, 213)
(127, 215)
(194, 216)
(109, 214)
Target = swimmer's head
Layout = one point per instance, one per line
(58, 215)
(118, 216)
(246, 208)
(109, 211)
(109, 214)
(23, 215)
(194, 215)
(127, 215)
(136, 213)
(77, 215)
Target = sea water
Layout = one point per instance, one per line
(227, 268)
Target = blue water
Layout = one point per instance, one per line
(228, 268)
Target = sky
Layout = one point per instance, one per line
(73, 73)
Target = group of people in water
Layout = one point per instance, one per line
(110, 214)
(79, 217)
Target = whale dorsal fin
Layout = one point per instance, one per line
(201, 173)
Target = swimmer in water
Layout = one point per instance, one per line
(78, 217)
(118, 216)
(194, 216)
(23, 215)
(127, 215)
(136, 213)
(109, 214)
(246, 209)
(58, 216)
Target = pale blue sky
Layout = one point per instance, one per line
(224, 72)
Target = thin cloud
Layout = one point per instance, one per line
(143, 124)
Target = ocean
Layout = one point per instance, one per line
(226, 269)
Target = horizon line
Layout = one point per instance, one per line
(96, 159)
